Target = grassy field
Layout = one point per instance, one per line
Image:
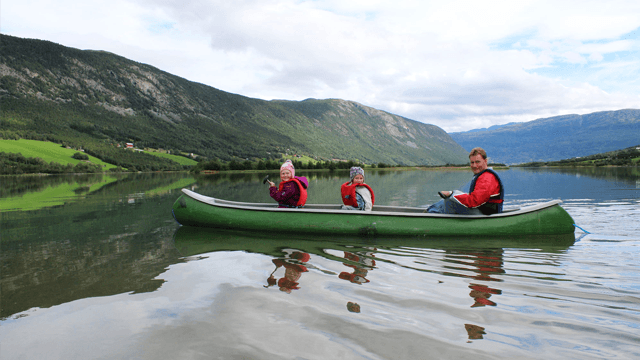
(47, 151)
(304, 159)
(179, 159)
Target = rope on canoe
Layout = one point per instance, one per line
(581, 229)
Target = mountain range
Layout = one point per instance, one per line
(556, 138)
(98, 99)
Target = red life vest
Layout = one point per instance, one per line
(303, 191)
(348, 193)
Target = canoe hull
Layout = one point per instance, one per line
(192, 209)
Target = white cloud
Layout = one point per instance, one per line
(457, 64)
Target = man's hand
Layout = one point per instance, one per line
(444, 194)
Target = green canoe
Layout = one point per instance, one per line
(193, 209)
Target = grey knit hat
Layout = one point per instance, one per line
(355, 171)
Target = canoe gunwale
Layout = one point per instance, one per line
(378, 210)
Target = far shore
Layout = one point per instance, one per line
(392, 168)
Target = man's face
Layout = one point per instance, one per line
(478, 164)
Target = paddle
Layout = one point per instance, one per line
(274, 271)
(266, 180)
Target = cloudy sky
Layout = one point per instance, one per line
(459, 65)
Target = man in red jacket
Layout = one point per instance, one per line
(486, 193)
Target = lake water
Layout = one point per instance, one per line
(94, 267)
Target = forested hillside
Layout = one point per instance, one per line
(95, 100)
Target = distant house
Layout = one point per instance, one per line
(129, 146)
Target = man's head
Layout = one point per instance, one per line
(478, 160)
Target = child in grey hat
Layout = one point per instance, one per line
(356, 195)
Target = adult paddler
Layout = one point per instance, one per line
(486, 192)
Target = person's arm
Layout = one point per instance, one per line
(366, 196)
(486, 186)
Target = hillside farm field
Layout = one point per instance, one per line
(47, 151)
(179, 159)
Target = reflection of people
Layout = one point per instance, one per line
(353, 307)
(360, 271)
(486, 193)
(292, 190)
(356, 195)
(487, 263)
(481, 295)
(292, 272)
(474, 331)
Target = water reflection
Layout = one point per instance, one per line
(101, 270)
(353, 307)
(100, 246)
(293, 269)
(619, 174)
(481, 261)
(49, 273)
(418, 188)
(361, 263)
(19, 185)
(474, 332)
(485, 264)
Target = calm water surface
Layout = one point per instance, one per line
(94, 267)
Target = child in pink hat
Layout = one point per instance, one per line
(292, 190)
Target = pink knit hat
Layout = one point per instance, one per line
(288, 165)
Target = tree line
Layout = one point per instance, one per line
(216, 165)
(626, 157)
(17, 164)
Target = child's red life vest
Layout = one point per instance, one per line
(303, 191)
(348, 193)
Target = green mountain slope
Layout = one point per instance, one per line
(63, 94)
(556, 138)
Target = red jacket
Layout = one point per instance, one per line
(486, 188)
(291, 193)
(348, 193)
